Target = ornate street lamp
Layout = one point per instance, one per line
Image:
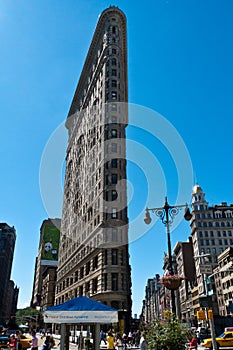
(167, 214)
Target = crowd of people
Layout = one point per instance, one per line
(120, 341)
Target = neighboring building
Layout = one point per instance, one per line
(94, 257)
(7, 246)
(223, 276)
(47, 256)
(49, 279)
(12, 300)
(206, 262)
(212, 233)
(151, 305)
(186, 268)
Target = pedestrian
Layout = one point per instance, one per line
(193, 343)
(118, 343)
(47, 343)
(34, 341)
(102, 337)
(80, 341)
(13, 342)
(110, 341)
(143, 342)
(137, 338)
(18, 337)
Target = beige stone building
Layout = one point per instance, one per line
(223, 276)
(94, 258)
(212, 234)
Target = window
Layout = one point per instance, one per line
(114, 51)
(114, 257)
(114, 195)
(88, 268)
(81, 272)
(114, 235)
(114, 147)
(114, 281)
(114, 163)
(114, 179)
(94, 285)
(114, 83)
(114, 95)
(95, 262)
(220, 242)
(114, 213)
(200, 234)
(106, 257)
(206, 234)
(114, 62)
(87, 287)
(114, 73)
(113, 133)
(104, 281)
(114, 107)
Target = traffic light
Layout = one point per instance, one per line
(210, 315)
(201, 315)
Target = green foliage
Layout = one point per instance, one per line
(26, 315)
(167, 334)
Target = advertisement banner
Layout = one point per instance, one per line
(50, 245)
(80, 316)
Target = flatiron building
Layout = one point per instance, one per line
(93, 253)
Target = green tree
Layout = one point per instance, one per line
(27, 315)
(168, 334)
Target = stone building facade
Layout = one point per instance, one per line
(212, 234)
(47, 257)
(94, 258)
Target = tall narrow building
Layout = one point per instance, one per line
(93, 256)
(7, 246)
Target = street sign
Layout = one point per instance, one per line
(206, 269)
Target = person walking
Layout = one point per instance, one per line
(80, 341)
(118, 343)
(110, 341)
(143, 342)
(102, 337)
(34, 341)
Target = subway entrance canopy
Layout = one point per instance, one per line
(81, 310)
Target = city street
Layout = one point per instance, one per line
(73, 346)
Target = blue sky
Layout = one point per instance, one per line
(180, 56)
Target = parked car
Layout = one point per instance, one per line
(4, 340)
(223, 340)
(25, 341)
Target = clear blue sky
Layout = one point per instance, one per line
(180, 56)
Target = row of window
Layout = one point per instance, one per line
(211, 234)
(214, 224)
(219, 241)
(92, 286)
(217, 214)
